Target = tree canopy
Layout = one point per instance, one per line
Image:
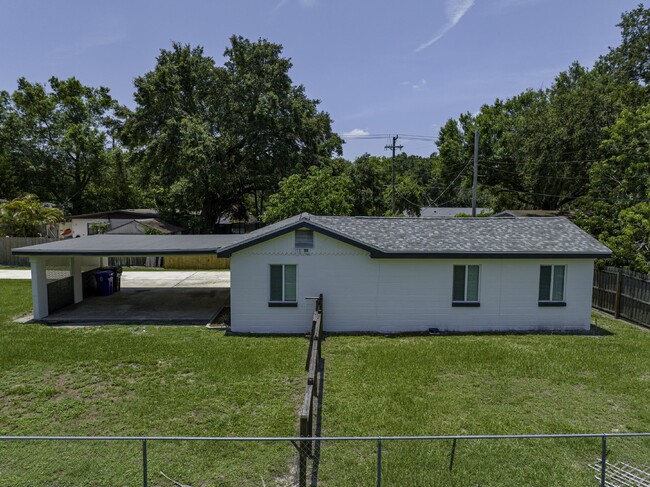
(208, 136)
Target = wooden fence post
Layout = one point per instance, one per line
(617, 299)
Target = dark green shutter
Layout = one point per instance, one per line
(276, 283)
(459, 283)
(545, 282)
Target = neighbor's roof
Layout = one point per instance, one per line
(431, 211)
(528, 213)
(133, 245)
(153, 223)
(442, 237)
(117, 214)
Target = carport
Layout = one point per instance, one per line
(63, 281)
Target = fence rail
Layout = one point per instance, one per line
(623, 293)
(9, 243)
(145, 458)
(306, 448)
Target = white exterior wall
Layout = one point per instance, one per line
(399, 295)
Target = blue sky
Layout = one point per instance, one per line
(377, 66)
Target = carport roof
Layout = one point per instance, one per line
(132, 245)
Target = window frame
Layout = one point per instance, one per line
(552, 302)
(303, 231)
(284, 303)
(465, 302)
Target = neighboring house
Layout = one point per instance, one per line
(228, 225)
(413, 274)
(433, 211)
(383, 275)
(570, 214)
(151, 226)
(101, 222)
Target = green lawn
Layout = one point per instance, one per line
(490, 384)
(132, 380)
(135, 380)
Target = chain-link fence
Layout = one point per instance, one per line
(620, 459)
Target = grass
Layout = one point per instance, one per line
(132, 380)
(142, 380)
(490, 384)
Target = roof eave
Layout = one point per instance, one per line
(490, 255)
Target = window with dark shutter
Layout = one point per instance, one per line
(282, 286)
(466, 285)
(551, 285)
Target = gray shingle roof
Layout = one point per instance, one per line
(132, 245)
(444, 237)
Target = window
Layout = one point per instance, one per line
(551, 285)
(283, 285)
(304, 239)
(465, 292)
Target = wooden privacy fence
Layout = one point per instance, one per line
(313, 368)
(9, 243)
(625, 294)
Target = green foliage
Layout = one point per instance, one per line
(27, 217)
(227, 131)
(318, 192)
(98, 228)
(57, 139)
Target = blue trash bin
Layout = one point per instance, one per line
(104, 281)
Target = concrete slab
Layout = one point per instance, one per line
(159, 297)
(177, 305)
(15, 274)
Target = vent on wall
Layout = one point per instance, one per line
(304, 240)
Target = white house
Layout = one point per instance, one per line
(413, 274)
(94, 223)
(380, 275)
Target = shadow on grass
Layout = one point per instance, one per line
(594, 330)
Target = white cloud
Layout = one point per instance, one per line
(455, 10)
(416, 85)
(303, 3)
(356, 133)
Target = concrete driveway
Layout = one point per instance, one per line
(156, 297)
(151, 278)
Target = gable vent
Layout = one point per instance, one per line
(304, 239)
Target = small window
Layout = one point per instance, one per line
(551, 284)
(304, 239)
(283, 285)
(465, 289)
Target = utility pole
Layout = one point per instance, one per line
(393, 147)
(474, 181)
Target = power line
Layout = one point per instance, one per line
(568, 178)
(533, 193)
(452, 183)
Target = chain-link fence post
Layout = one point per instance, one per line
(144, 463)
(603, 461)
(378, 462)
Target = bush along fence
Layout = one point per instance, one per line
(623, 293)
(606, 460)
(308, 449)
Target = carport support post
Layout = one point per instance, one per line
(77, 282)
(39, 288)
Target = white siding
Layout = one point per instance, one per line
(399, 295)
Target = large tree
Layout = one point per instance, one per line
(208, 136)
(319, 192)
(56, 139)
